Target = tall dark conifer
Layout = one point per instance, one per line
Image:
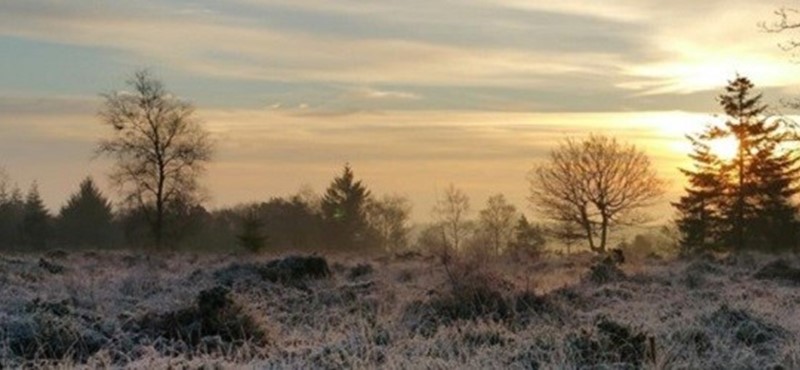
(87, 220)
(745, 202)
(36, 227)
(344, 212)
(12, 209)
(700, 222)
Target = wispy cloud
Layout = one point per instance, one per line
(641, 46)
(371, 93)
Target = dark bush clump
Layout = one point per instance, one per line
(697, 340)
(779, 270)
(703, 267)
(289, 270)
(215, 314)
(747, 329)
(53, 331)
(470, 297)
(51, 267)
(530, 302)
(611, 343)
(408, 256)
(295, 268)
(695, 273)
(603, 272)
(56, 254)
(238, 272)
(360, 270)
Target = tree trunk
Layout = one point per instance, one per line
(158, 230)
(587, 227)
(603, 233)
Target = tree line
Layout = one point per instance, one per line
(585, 191)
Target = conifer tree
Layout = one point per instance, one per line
(36, 228)
(12, 204)
(252, 236)
(87, 220)
(745, 202)
(344, 212)
(765, 174)
(527, 239)
(700, 222)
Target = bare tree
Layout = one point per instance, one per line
(388, 217)
(786, 21)
(451, 212)
(595, 184)
(159, 148)
(497, 221)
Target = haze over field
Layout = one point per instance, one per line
(415, 95)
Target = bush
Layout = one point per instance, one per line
(295, 268)
(603, 272)
(215, 314)
(360, 270)
(289, 270)
(53, 331)
(611, 343)
(51, 267)
(470, 294)
(746, 328)
(779, 270)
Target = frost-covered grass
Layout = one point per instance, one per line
(119, 309)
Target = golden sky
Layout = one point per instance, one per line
(414, 94)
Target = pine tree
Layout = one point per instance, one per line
(36, 228)
(700, 222)
(765, 176)
(746, 202)
(344, 212)
(528, 239)
(87, 220)
(252, 236)
(11, 209)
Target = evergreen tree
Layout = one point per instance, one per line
(252, 236)
(344, 212)
(12, 205)
(36, 222)
(700, 222)
(87, 220)
(745, 202)
(528, 239)
(765, 175)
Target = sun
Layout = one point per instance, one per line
(724, 148)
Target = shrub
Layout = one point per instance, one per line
(469, 295)
(610, 343)
(214, 313)
(289, 270)
(779, 270)
(52, 331)
(603, 272)
(294, 268)
(51, 267)
(746, 328)
(360, 270)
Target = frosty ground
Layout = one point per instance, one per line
(181, 310)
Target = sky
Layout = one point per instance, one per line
(414, 94)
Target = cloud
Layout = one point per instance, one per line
(370, 93)
(238, 47)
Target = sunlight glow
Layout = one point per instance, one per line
(725, 148)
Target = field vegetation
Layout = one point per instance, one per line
(117, 309)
